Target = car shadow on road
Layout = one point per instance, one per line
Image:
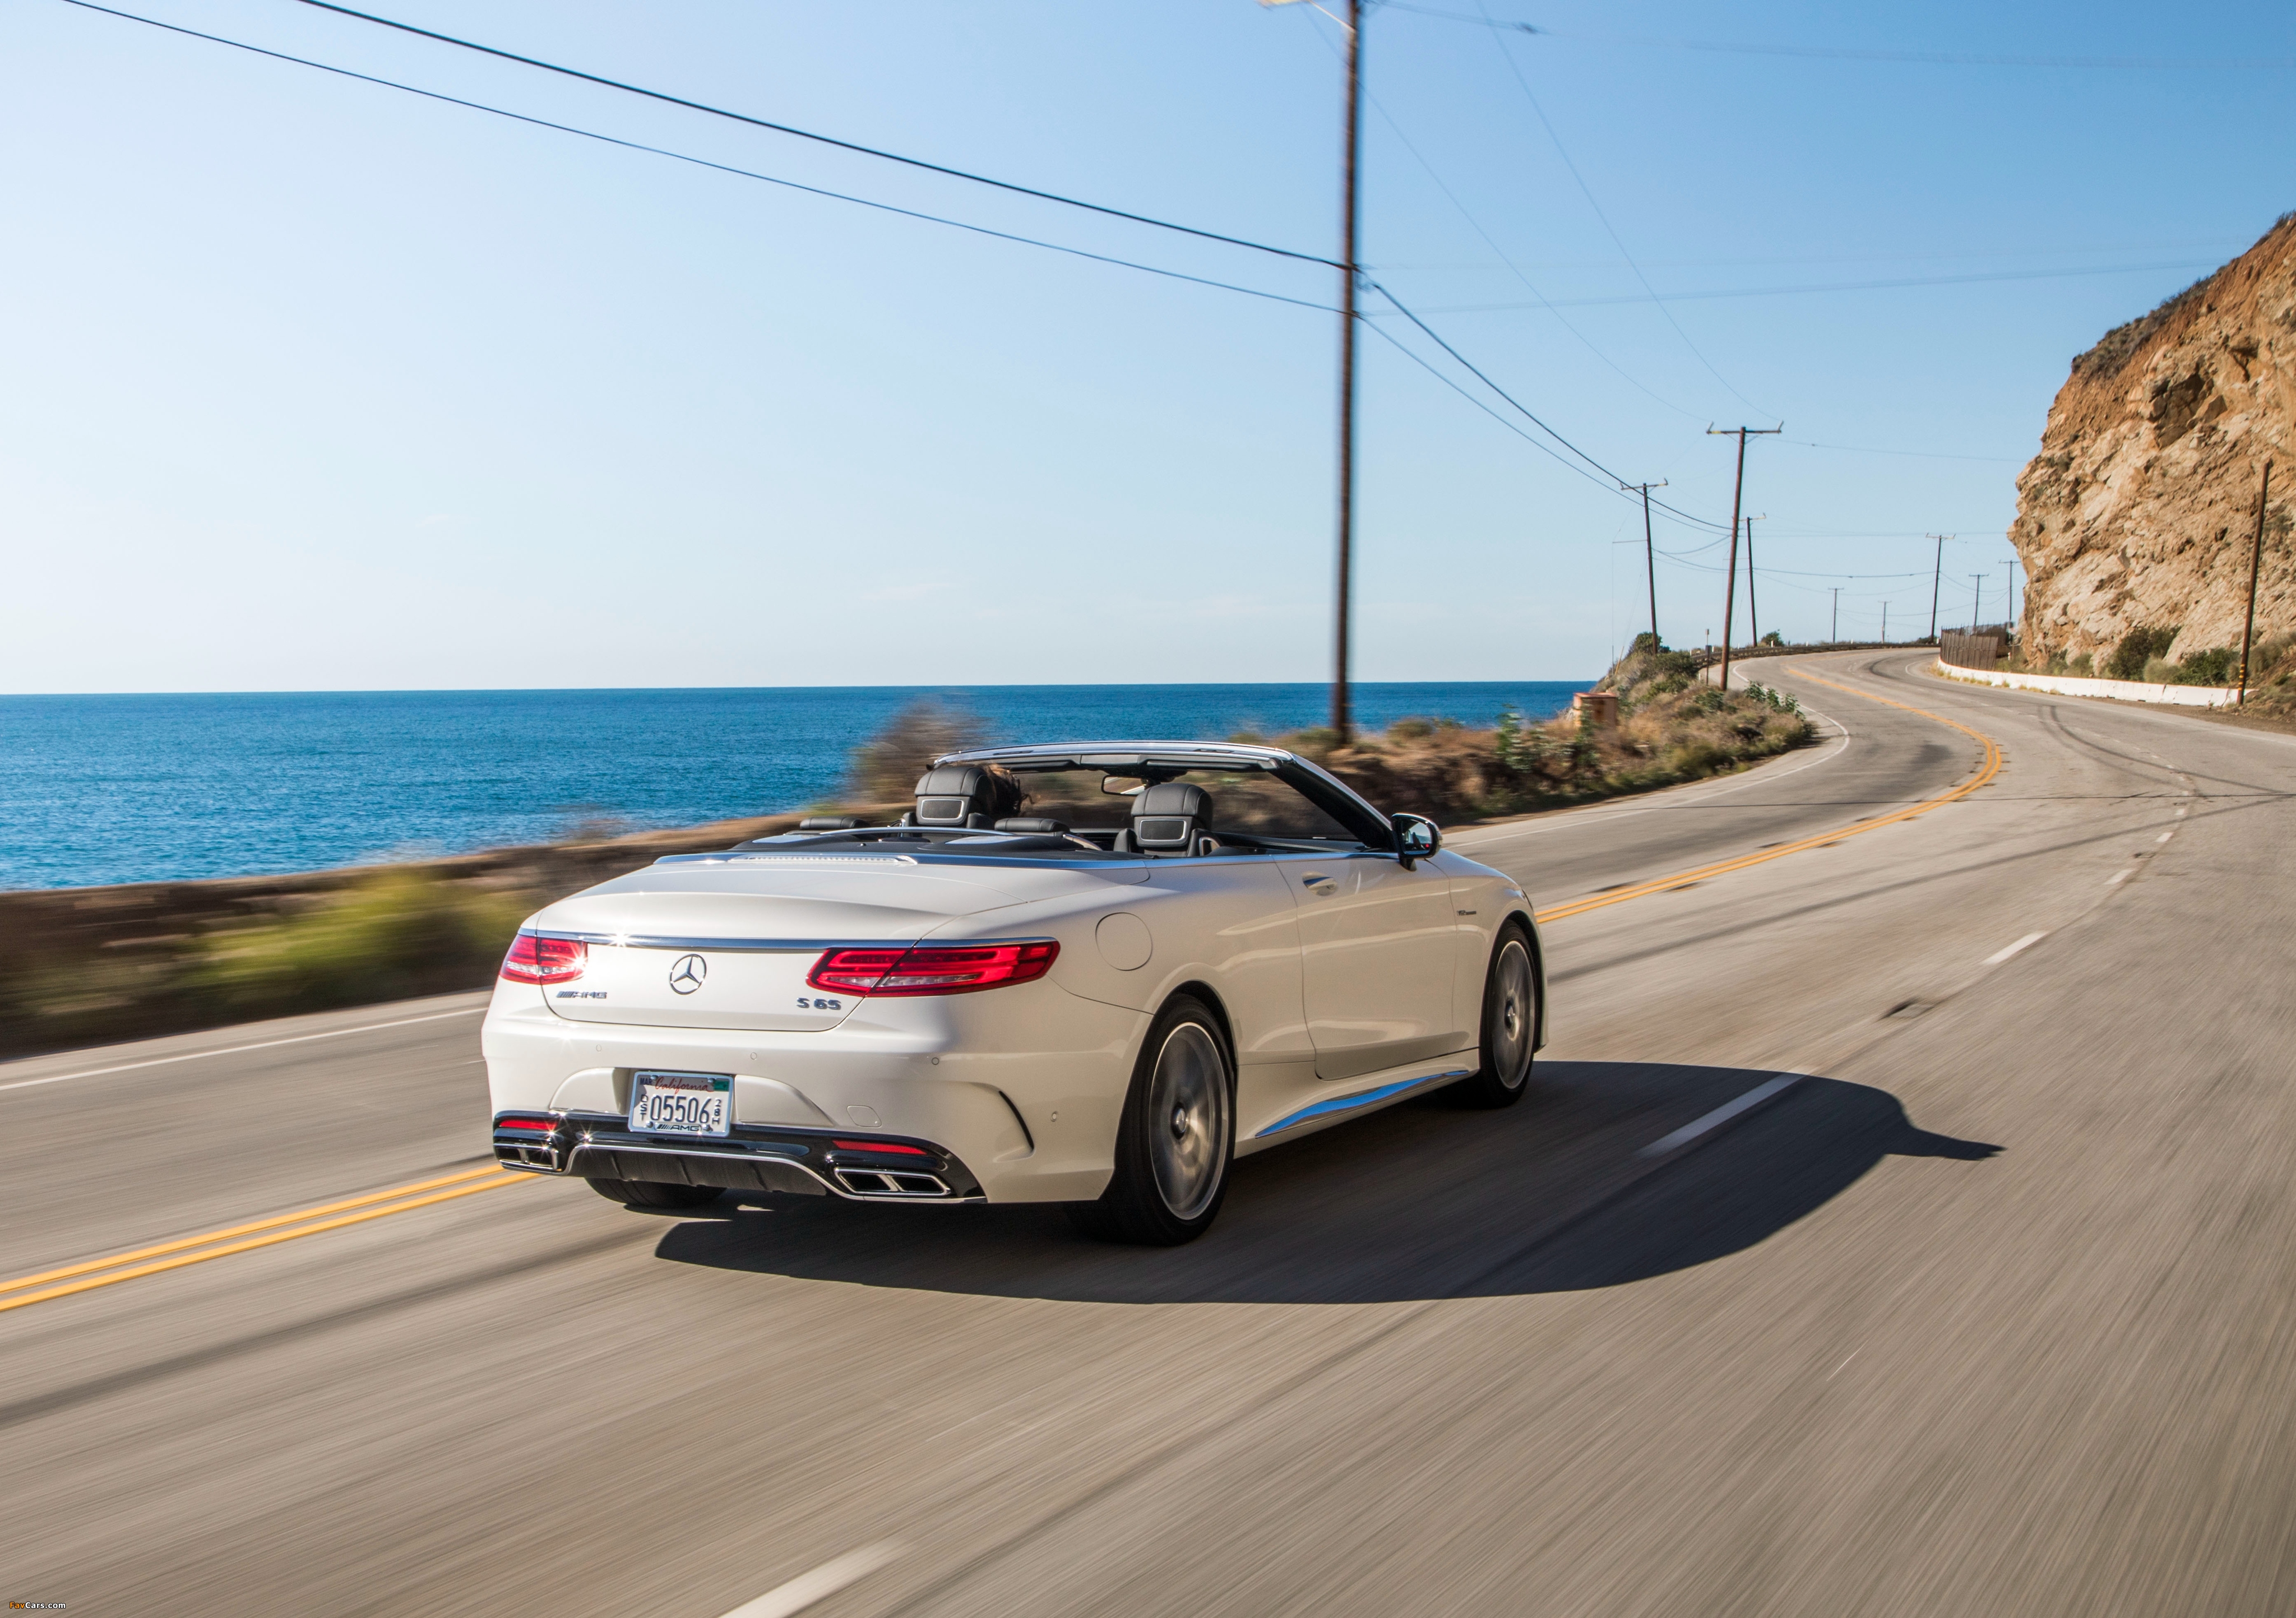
(1423, 1201)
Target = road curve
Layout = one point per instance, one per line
(1900, 1225)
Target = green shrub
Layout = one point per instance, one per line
(1519, 746)
(2215, 667)
(2137, 648)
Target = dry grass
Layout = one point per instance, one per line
(1670, 729)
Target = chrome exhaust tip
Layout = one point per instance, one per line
(891, 1182)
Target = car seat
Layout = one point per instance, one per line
(962, 795)
(1172, 820)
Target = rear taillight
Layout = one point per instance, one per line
(932, 969)
(533, 958)
(540, 1125)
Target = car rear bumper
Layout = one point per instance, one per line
(1024, 1091)
(798, 1163)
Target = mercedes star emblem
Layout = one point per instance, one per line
(687, 975)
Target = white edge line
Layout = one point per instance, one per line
(1721, 1115)
(2118, 876)
(822, 1582)
(190, 1056)
(2025, 942)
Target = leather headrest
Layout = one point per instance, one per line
(959, 794)
(1167, 817)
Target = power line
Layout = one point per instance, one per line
(1623, 491)
(1954, 59)
(1586, 192)
(1615, 484)
(1452, 383)
(1923, 454)
(1506, 258)
(1835, 286)
(825, 140)
(1527, 414)
(1503, 257)
(664, 152)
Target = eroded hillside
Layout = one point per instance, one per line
(2140, 510)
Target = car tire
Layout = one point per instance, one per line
(1510, 1024)
(650, 1194)
(1176, 1139)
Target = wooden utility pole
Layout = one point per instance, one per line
(1937, 584)
(1737, 495)
(1976, 601)
(1650, 555)
(1835, 636)
(1342, 718)
(2255, 561)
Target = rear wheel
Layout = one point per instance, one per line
(1177, 1136)
(1510, 1025)
(654, 1193)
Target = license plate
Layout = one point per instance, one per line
(681, 1103)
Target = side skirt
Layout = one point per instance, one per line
(1373, 1091)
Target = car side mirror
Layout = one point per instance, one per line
(1415, 837)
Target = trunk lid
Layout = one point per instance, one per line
(727, 942)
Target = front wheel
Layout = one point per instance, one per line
(1510, 1025)
(1178, 1134)
(654, 1193)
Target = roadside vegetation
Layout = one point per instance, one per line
(1670, 729)
(2143, 654)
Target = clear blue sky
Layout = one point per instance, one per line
(312, 384)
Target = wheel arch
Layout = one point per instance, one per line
(1198, 989)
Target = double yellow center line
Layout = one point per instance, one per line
(48, 1284)
(1988, 766)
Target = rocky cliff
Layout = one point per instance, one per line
(2140, 510)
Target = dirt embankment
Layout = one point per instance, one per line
(2139, 514)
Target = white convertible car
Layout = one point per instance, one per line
(1091, 972)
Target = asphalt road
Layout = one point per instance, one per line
(1991, 1313)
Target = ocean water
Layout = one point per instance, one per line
(140, 788)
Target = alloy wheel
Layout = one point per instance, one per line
(1187, 1112)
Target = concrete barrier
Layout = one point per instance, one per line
(2073, 685)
